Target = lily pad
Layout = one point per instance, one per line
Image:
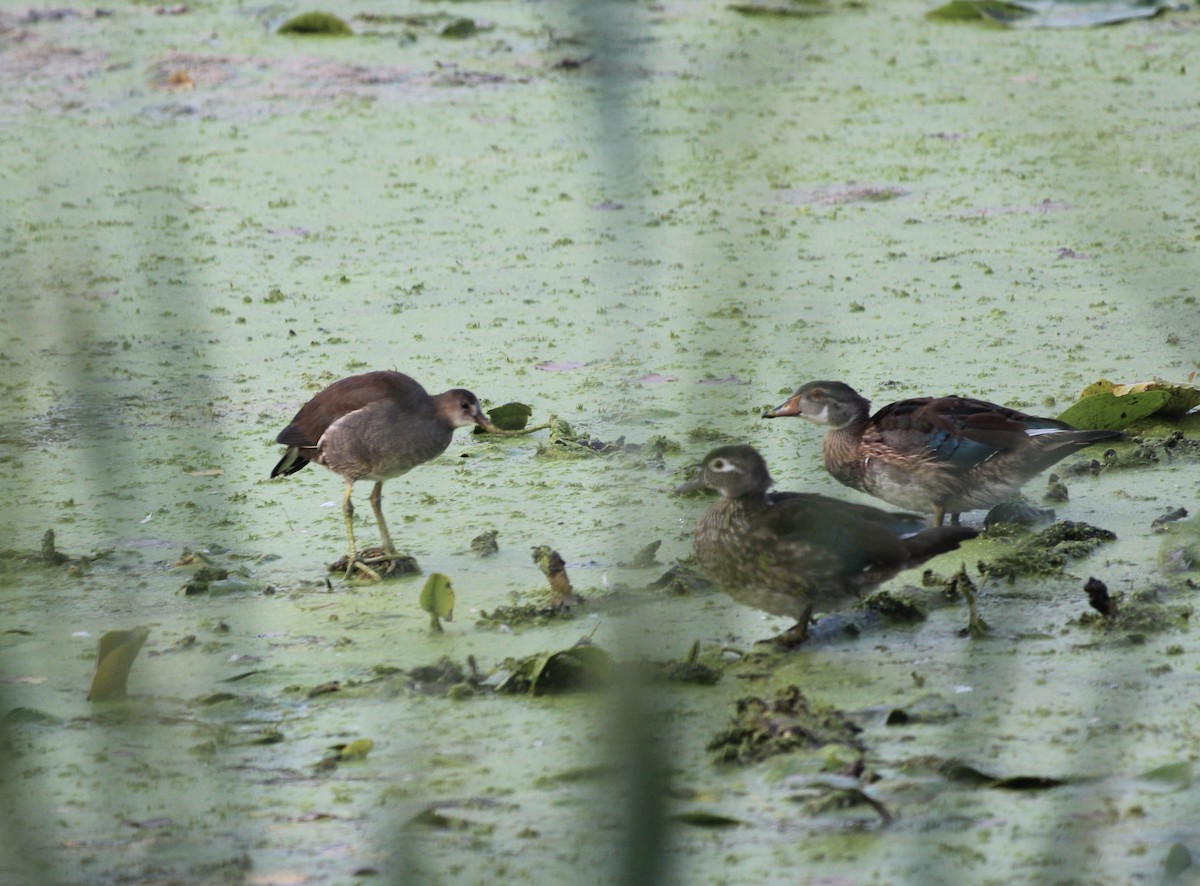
(583, 666)
(1049, 13)
(316, 24)
(509, 417)
(357, 749)
(437, 598)
(1112, 406)
(114, 659)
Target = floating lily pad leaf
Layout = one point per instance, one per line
(114, 659)
(30, 715)
(965, 773)
(583, 666)
(987, 11)
(1177, 775)
(316, 24)
(1088, 13)
(510, 416)
(708, 820)
(1178, 860)
(437, 598)
(1050, 13)
(1111, 406)
(580, 667)
(459, 29)
(357, 749)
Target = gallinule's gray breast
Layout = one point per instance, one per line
(939, 455)
(793, 553)
(375, 426)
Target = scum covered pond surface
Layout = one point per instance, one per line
(652, 225)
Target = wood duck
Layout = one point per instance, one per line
(939, 455)
(791, 553)
(375, 426)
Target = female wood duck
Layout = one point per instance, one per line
(790, 553)
(939, 455)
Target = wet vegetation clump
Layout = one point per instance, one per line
(1180, 549)
(1174, 447)
(1135, 615)
(1010, 517)
(682, 579)
(1047, 552)
(49, 555)
(762, 728)
(209, 578)
(564, 442)
(445, 677)
(485, 544)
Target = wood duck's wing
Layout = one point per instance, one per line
(860, 537)
(957, 430)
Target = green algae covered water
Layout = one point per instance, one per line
(650, 221)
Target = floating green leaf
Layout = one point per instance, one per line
(987, 11)
(1178, 860)
(460, 28)
(1111, 406)
(776, 11)
(316, 24)
(357, 749)
(509, 417)
(965, 773)
(1048, 13)
(701, 819)
(114, 659)
(1178, 775)
(583, 666)
(437, 598)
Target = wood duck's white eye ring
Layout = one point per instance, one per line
(721, 466)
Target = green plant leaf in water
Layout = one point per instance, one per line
(357, 749)
(1178, 860)
(1048, 13)
(437, 598)
(1107, 405)
(316, 24)
(1177, 774)
(510, 416)
(992, 12)
(114, 659)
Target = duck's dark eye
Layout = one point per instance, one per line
(718, 464)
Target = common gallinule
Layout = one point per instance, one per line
(939, 455)
(793, 553)
(375, 426)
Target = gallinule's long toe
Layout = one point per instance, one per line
(793, 553)
(375, 426)
(939, 455)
